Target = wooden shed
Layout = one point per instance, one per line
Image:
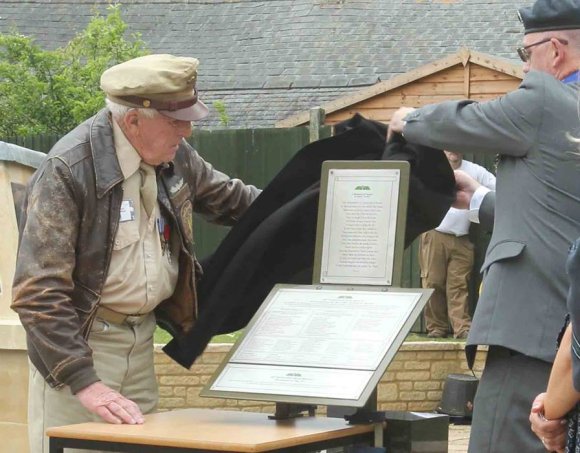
(463, 75)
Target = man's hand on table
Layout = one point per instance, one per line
(110, 405)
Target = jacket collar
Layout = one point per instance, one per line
(107, 169)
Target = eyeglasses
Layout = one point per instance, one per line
(525, 54)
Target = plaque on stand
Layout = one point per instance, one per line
(329, 343)
(361, 223)
(318, 344)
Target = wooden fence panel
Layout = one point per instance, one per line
(253, 155)
(41, 143)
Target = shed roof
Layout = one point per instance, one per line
(269, 59)
(463, 56)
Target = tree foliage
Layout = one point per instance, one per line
(52, 91)
(220, 107)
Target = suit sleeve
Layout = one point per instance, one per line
(487, 211)
(506, 125)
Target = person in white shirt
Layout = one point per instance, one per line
(446, 262)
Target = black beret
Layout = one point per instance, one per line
(546, 15)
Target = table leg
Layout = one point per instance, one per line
(54, 446)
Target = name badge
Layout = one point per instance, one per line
(127, 211)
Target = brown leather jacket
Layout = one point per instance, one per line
(69, 222)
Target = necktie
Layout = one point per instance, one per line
(148, 187)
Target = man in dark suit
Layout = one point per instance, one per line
(523, 301)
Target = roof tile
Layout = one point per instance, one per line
(258, 49)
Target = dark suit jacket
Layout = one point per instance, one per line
(274, 240)
(537, 205)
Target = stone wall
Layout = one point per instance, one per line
(413, 382)
(13, 359)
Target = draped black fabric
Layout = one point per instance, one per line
(274, 240)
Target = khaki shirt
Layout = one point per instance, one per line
(143, 269)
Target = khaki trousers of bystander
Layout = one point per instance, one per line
(446, 262)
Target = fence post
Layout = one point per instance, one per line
(316, 120)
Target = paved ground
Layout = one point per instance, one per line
(458, 438)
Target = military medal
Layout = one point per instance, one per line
(164, 236)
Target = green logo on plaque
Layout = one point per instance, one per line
(362, 188)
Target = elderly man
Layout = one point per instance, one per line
(106, 247)
(537, 217)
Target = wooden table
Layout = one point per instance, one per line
(204, 430)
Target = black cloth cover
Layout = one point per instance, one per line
(273, 242)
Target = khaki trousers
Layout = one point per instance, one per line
(446, 262)
(123, 358)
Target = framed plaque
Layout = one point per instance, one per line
(318, 344)
(361, 222)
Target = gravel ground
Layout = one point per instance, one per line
(458, 438)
